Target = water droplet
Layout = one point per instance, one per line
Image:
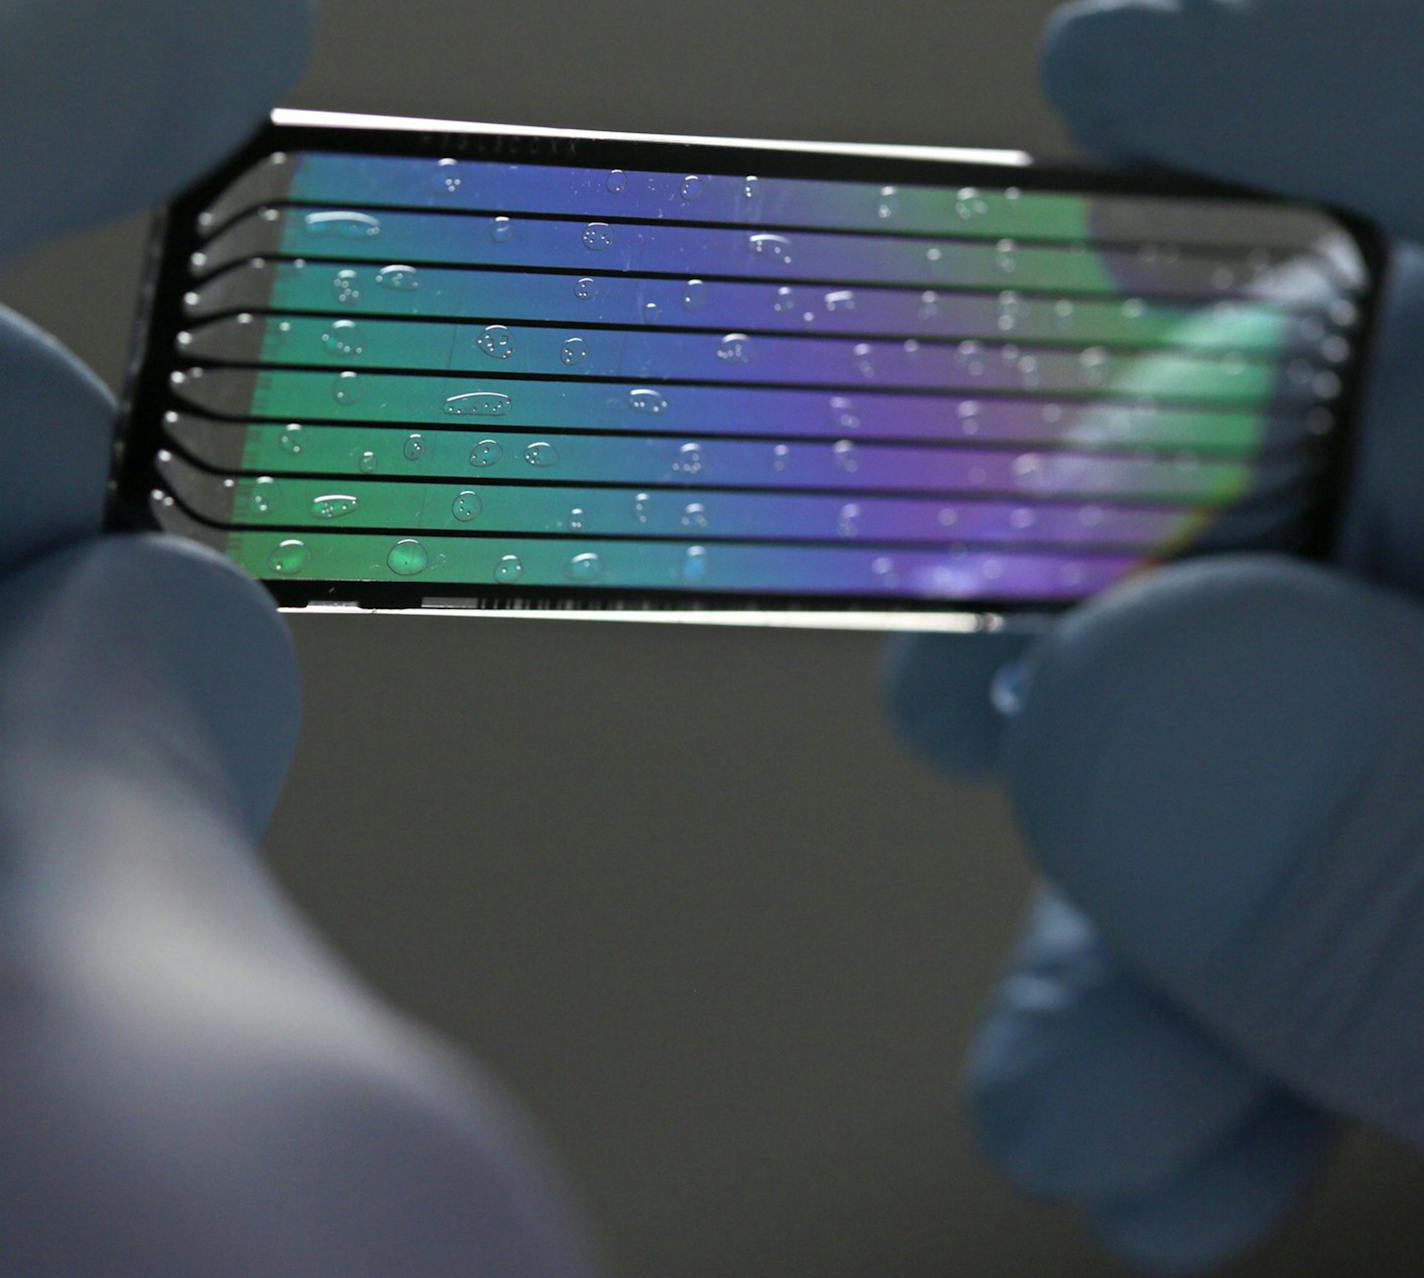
(1134, 308)
(775, 247)
(1006, 256)
(929, 304)
(1022, 518)
(347, 388)
(843, 413)
(882, 568)
(1028, 467)
(694, 515)
(447, 177)
(290, 440)
(478, 404)
(586, 289)
(487, 452)
(398, 278)
(646, 400)
(735, 348)
(1094, 364)
(689, 460)
(508, 569)
(694, 564)
(750, 187)
(862, 356)
(1326, 385)
(844, 455)
(785, 301)
(333, 505)
(584, 567)
(288, 557)
(1233, 364)
(413, 447)
(501, 229)
(888, 201)
(848, 520)
(345, 286)
(344, 223)
(649, 313)
(597, 236)
(1344, 313)
(1335, 349)
(841, 300)
(780, 455)
(264, 492)
(642, 507)
(495, 342)
(407, 557)
(617, 180)
(969, 204)
(948, 517)
(366, 462)
(467, 505)
(573, 351)
(342, 338)
(933, 255)
(541, 454)
(694, 295)
(691, 187)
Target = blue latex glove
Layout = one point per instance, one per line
(1221, 766)
(190, 1084)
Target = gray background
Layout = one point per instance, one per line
(676, 886)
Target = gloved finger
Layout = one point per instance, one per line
(1085, 1086)
(1220, 765)
(1231, 1201)
(1273, 93)
(57, 421)
(941, 691)
(147, 660)
(107, 106)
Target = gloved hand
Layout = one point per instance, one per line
(1220, 766)
(189, 1083)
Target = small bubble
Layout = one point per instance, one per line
(541, 454)
(288, 557)
(775, 247)
(646, 400)
(784, 302)
(691, 187)
(735, 348)
(347, 388)
(694, 515)
(398, 278)
(573, 351)
(290, 440)
(642, 507)
(413, 447)
(342, 338)
(495, 342)
(447, 177)
(597, 237)
(848, 520)
(844, 455)
(617, 180)
(345, 286)
(478, 404)
(407, 557)
(584, 567)
(366, 462)
(694, 564)
(467, 505)
(333, 505)
(508, 570)
(689, 460)
(586, 289)
(694, 295)
(842, 299)
(501, 229)
(343, 223)
(487, 452)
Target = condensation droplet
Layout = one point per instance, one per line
(691, 187)
(487, 452)
(597, 236)
(646, 400)
(342, 338)
(478, 404)
(508, 570)
(501, 229)
(407, 557)
(843, 413)
(689, 460)
(642, 507)
(541, 454)
(694, 295)
(694, 564)
(333, 505)
(288, 556)
(584, 567)
(496, 342)
(750, 187)
(848, 520)
(842, 299)
(366, 462)
(694, 515)
(586, 289)
(844, 455)
(785, 301)
(573, 351)
(617, 180)
(346, 288)
(882, 567)
(885, 209)
(776, 247)
(447, 177)
(735, 348)
(398, 278)
(467, 505)
(347, 388)
(780, 455)
(577, 518)
(413, 447)
(343, 223)
(264, 492)
(290, 440)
